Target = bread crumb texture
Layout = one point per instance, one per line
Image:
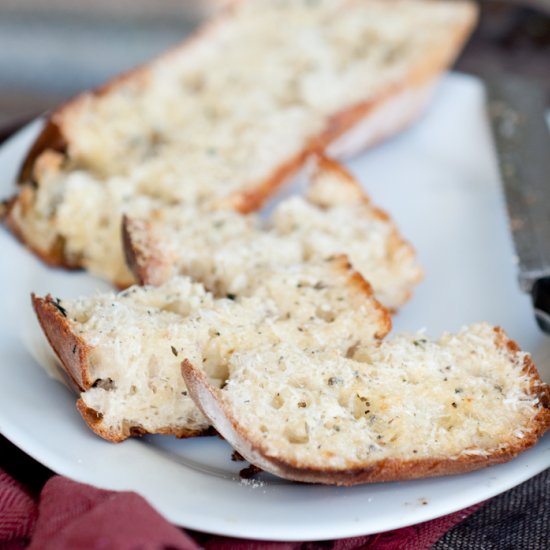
(228, 252)
(216, 120)
(136, 340)
(407, 399)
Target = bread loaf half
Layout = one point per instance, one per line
(228, 116)
(405, 408)
(228, 251)
(123, 351)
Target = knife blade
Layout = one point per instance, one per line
(517, 112)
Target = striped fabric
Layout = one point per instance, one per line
(18, 513)
(73, 516)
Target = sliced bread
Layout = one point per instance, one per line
(123, 351)
(228, 116)
(404, 409)
(227, 251)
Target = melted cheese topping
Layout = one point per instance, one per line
(408, 398)
(140, 337)
(229, 252)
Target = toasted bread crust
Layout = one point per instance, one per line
(151, 263)
(324, 163)
(73, 354)
(54, 257)
(71, 350)
(136, 258)
(355, 279)
(209, 401)
(50, 138)
(421, 81)
(143, 254)
(244, 202)
(152, 268)
(249, 201)
(94, 421)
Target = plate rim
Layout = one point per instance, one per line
(25, 442)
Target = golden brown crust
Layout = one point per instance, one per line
(73, 354)
(209, 400)
(396, 244)
(324, 163)
(49, 161)
(53, 257)
(51, 137)
(537, 387)
(94, 421)
(390, 469)
(54, 138)
(338, 125)
(131, 250)
(434, 64)
(149, 262)
(143, 253)
(355, 279)
(71, 350)
(253, 199)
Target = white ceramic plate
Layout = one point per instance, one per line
(439, 180)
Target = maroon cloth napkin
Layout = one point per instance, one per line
(71, 516)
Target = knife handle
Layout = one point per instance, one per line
(540, 294)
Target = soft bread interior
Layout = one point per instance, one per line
(227, 251)
(337, 217)
(130, 363)
(442, 406)
(134, 341)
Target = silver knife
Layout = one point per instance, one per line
(517, 111)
